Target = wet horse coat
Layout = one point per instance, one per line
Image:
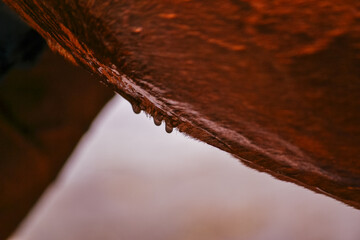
(274, 83)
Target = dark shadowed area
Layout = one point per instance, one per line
(43, 113)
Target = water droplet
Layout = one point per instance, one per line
(136, 108)
(157, 120)
(168, 127)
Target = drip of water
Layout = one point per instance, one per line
(168, 127)
(157, 120)
(136, 108)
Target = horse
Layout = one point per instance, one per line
(274, 83)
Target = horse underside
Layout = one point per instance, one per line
(274, 83)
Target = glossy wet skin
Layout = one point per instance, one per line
(275, 83)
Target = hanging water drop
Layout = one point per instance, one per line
(168, 127)
(136, 108)
(157, 120)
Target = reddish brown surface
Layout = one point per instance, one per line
(275, 83)
(43, 113)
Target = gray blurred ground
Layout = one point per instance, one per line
(130, 180)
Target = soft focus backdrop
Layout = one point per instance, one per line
(130, 180)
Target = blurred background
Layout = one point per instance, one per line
(128, 179)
